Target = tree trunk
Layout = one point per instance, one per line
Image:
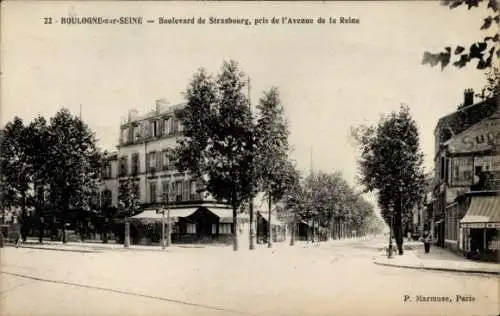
(269, 226)
(292, 231)
(398, 233)
(331, 228)
(24, 218)
(252, 226)
(40, 231)
(235, 228)
(63, 220)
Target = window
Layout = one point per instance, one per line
(178, 191)
(185, 190)
(152, 161)
(165, 188)
(124, 136)
(106, 198)
(106, 170)
(137, 133)
(135, 163)
(167, 125)
(175, 125)
(152, 192)
(193, 191)
(165, 159)
(181, 127)
(123, 166)
(154, 128)
(191, 228)
(158, 160)
(214, 229)
(225, 228)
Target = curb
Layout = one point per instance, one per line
(60, 249)
(436, 269)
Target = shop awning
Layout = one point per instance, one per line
(174, 214)
(226, 214)
(484, 211)
(274, 219)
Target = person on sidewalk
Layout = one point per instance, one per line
(427, 243)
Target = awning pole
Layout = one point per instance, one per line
(484, 238)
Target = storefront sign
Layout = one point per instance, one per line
(473, 225)
(493, 225)
(481, 137)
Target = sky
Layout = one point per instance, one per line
(330, 76)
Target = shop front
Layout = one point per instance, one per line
(480, 228)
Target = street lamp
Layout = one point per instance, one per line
(165, 240)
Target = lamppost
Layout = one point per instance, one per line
(165, 237)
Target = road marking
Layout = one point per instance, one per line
(130, 293)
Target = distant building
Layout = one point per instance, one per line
(467, 163)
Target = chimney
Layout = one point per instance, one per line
(160, 104)
(468, 97)
(132, 114)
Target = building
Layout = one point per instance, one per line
(419, 214)
(466, 162)
(145, 156)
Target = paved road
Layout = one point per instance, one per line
(334, 279)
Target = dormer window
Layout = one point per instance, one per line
(137, 132)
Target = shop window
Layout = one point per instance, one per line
(191, 228)
(225, 228)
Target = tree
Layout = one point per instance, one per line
(492, 88)
(73, 165)
(38, 155)
(271, 153)
(391, 163)
(485, 50)
(16, 169)
(294, 200)
(215, 147)
(128, 199)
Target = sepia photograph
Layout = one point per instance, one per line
(253, 158)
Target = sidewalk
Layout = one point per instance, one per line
(95, 246)
(438, 259)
